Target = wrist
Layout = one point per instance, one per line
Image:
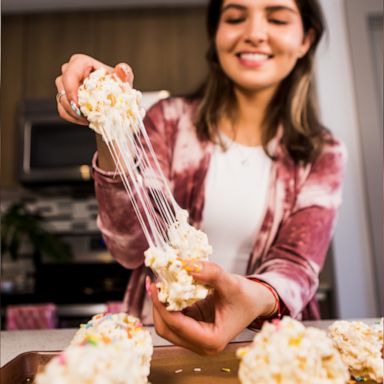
(260, 301)
(105, 161)
(269, 298)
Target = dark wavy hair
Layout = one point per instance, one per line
(292, 105)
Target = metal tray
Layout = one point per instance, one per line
(170, 364)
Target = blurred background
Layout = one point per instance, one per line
(53, 257)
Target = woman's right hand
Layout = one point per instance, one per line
(72, 75)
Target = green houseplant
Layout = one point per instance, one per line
(18, 224)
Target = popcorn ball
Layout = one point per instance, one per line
(109, 349)
(177, 288)
(115, 363)
(110, 328)
(360, 347)
(286, 352)
(111, 105)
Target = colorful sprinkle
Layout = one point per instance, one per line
(62, 358)
(90, 340)
(276, 323)
(295, 341)
(178, 371)
(227, 370)
(196, 369)
(242, 352)
(107, 339)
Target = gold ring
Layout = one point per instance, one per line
(59, 95)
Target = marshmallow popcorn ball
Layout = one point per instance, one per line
(113, 363)
(360, 346)
(177, 288)
(113, 109)
(109, 349)
(111, 106)
(286, 352)
(111, 328)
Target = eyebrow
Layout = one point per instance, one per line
(274, 8)
(277, 8)
(233, 5)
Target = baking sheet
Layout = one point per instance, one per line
(170, 364)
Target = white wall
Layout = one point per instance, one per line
(355, 279)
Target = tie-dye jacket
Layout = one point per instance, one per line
(290, 247)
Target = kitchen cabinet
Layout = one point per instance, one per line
(16, 6)
(165, 47)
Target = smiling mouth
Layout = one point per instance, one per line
(254, 57)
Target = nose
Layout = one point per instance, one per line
(256, 30)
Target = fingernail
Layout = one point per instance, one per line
(148, 285)
(192, 266)
(75, 108)
(125, 69)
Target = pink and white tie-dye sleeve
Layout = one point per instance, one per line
(296, 257)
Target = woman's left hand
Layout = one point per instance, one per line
(210, 324)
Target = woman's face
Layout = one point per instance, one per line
(258, 42)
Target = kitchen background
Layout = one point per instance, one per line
(165, 42)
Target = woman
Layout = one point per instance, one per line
(249, 160)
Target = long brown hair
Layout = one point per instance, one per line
(292, 105)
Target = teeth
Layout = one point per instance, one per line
(254, 56)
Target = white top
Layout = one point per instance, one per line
(236, 192)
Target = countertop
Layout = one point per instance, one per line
(13, 343)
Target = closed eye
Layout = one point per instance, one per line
(235, 20)
(278, 21)
(233, 13)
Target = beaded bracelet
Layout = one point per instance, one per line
(277, 307)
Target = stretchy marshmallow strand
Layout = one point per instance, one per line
(114, 111)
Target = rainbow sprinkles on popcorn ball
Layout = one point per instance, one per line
(117, 327)
(109, 349)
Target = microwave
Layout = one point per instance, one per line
(52, 150)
